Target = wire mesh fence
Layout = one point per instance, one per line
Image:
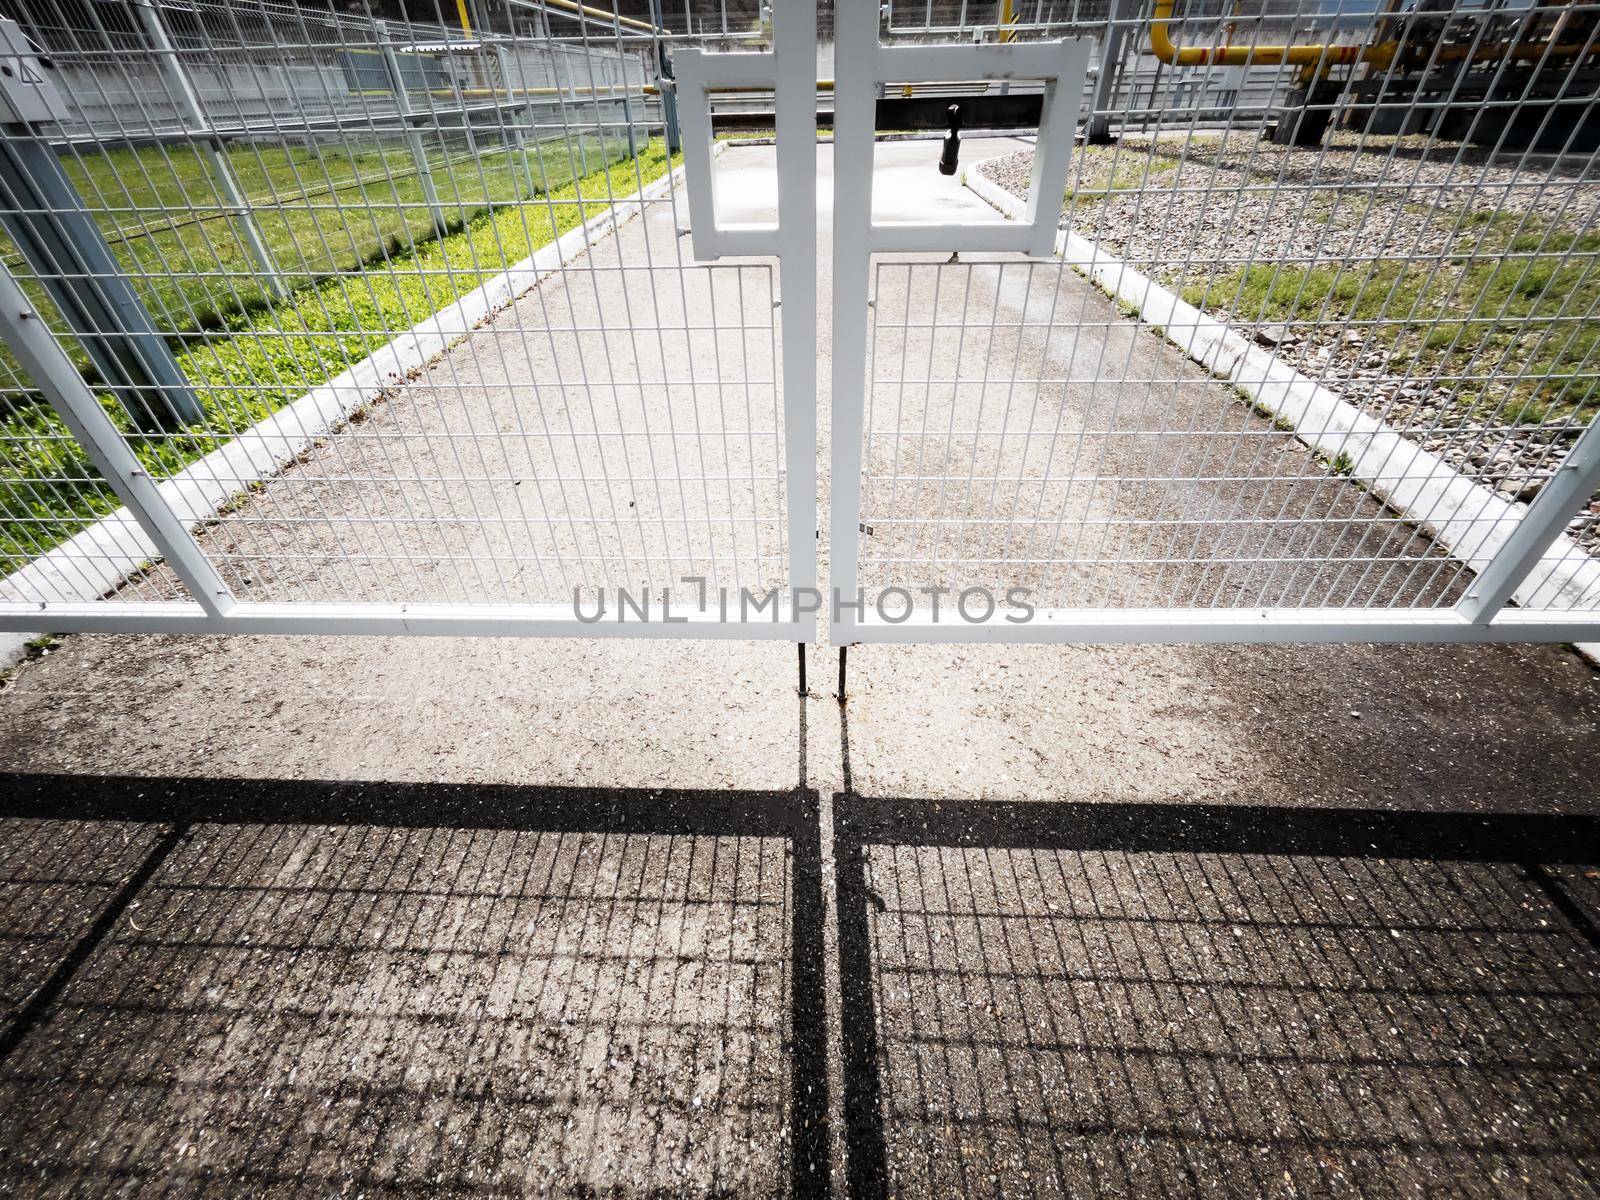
(1023, 433)
(400, 312)
(1375, 224)
(410, 317)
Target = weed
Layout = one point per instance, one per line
(34, 648)
(1503, 321)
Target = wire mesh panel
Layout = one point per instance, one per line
(646, 448)
(1319, 339)
(1022, 432)
(391, 313)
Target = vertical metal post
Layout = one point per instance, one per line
(1004, 34)
(44, 215)
(855, 75)
(627, 117)
(795, 60)
(47, 220)
(512, 120)
(187, 101)
(1098, 132)
(567, 95)
(1558, 501)
(669, 95)
(419, 150)
(47, 364)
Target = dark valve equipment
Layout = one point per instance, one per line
(952, 141)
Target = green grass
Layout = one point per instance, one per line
(320, 208)
(258, 360)
(1503, 305)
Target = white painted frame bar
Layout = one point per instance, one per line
(795, 54)
(1102, 626)
(854, 105)
(42, 357)
(1574, 482)
(696, 73)
(1194, 626)
(435, 620)
(1062, 65)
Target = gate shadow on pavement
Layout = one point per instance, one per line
(1164, 998)
(238, 986)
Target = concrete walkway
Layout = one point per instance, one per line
(384, 916)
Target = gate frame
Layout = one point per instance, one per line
(1482, 614)
(215, 609)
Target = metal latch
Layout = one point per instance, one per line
(951, 155)
(1058, 65)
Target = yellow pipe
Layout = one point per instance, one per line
(466, 21)
(612, 18)
(1008, 16)
(1314, 55)
(1322, 54)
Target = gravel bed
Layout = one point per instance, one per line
(1191, 211)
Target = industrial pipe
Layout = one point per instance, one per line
(601, 14)
(1316, 54)
(1327, 54)
(1008, 17)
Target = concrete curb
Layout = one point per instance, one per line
(88, 565)
(1415, 482)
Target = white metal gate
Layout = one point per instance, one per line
(1067, 442)
(318, 323)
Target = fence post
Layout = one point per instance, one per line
(1575, 480)
(669, 95)
(506, 115)
(627, 115)
(52, 372)
(569, 100)
(515, 119)
(188, 102)
(419, 150)
(55, 233)
(1098, 131)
